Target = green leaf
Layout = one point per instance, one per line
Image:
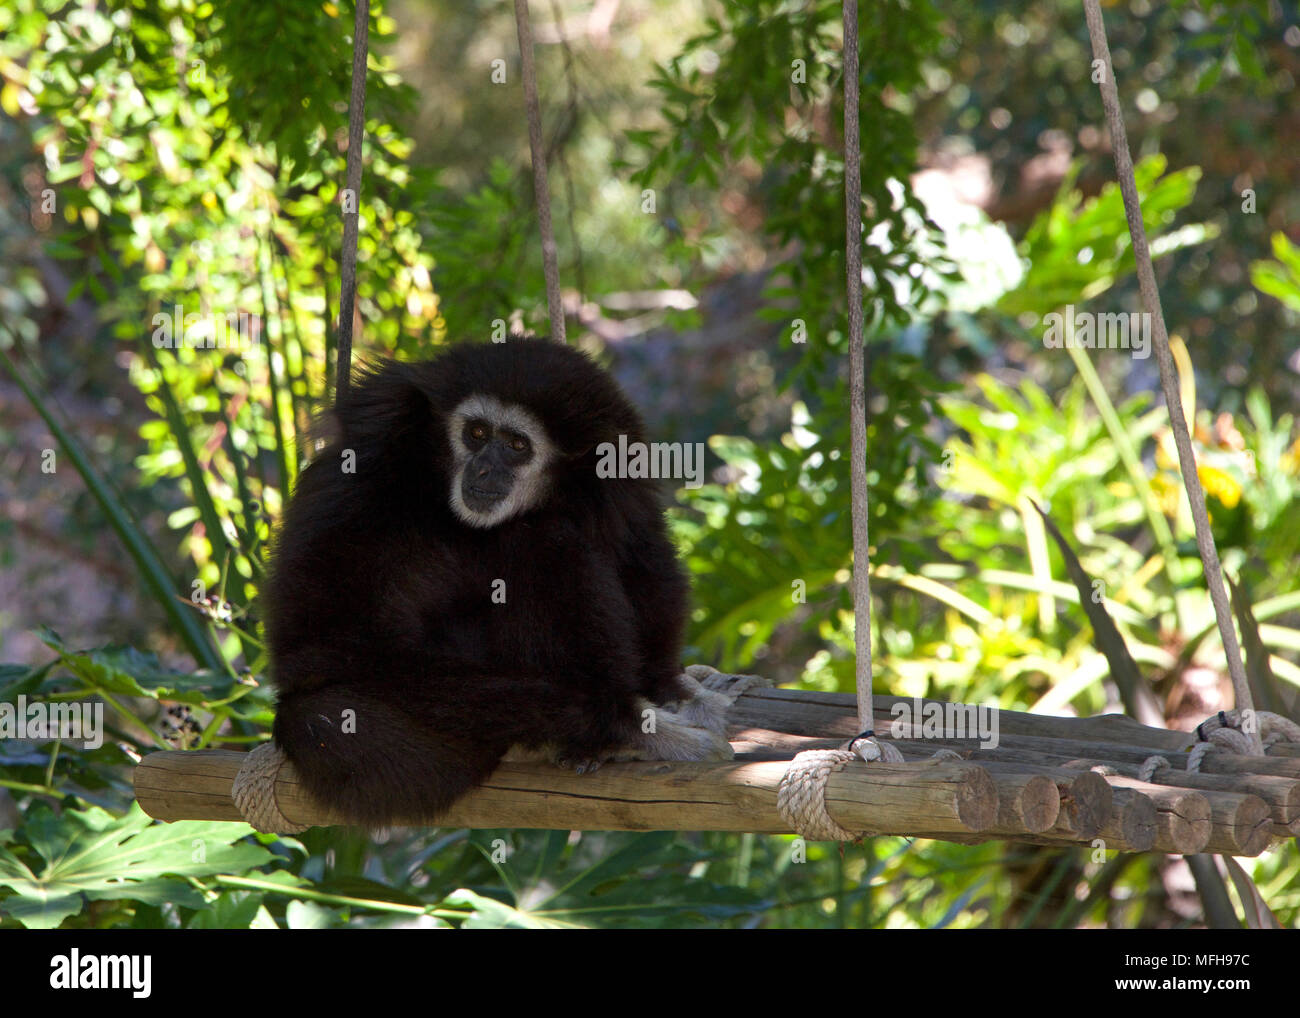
(232, 910)
(91, 856)
(130, 672)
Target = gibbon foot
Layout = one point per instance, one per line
(724, 682)
(704, 709)
(673, 736)
(694, 732)
(590, 764)
(712, 695)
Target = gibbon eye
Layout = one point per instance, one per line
(478, 431)
(519, 443)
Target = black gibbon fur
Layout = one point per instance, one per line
(379, 602)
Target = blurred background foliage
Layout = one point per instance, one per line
(168, 155)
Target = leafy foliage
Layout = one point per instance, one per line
(57, 864)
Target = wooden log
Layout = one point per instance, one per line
(1086, 803)
(802, 712)
(1026, 801)
(1127, 829)
(1131, 827)
(1281, 794)
(1087, 811)
(1120, 753)
(944, 796)
(1085, 800)
(1054, 753)
(1240, 824)
(1132, 824)
(1184, 821)
(1183, 824)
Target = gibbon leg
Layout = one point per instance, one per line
(372, 760)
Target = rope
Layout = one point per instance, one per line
(1198, 754)
(1168, 376)
(1149, 767)
(858, 490)
(356, 129)
(870, 750)
(554, 306)
(1224, 731)
(801, 797)
(254, 791)
(1274, 728)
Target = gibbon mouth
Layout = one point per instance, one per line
(487, 494)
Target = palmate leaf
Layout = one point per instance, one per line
(19, 680)
(610, 879)
(1053, 247)
(490, 914)
(130, 672)
(89, 855)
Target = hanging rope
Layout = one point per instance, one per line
(1168, 376)
(356, 129)
(857, 366)
(254, 787)
(801, 799)
(541, 189)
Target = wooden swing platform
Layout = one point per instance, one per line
(1048, 780)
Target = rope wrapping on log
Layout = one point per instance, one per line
(801, 799)
(254, 791)
(1273, 728)
(1225, 731)
(1150, 766)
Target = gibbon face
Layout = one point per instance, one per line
(502, 459)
